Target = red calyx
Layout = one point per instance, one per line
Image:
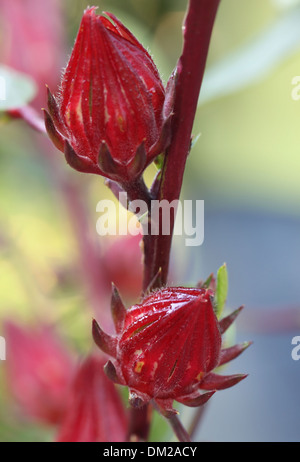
(110, 117)
(167, 348)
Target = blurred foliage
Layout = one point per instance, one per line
(250, 138)
(16, 89)
(248, 154)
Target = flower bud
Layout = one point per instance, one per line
(39, 371)
(167, 347)
(94, 412)
(109, 117)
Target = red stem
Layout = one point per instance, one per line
(196, 421)
(179, 430)
(190, 70)
(139, 426)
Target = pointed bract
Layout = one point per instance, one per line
(156, 184)
(197, 401)
(111, 373)
(226, 322)
(118, 309)
(156, 282)
(53, 108)
(82, 164)
(104, 341)
(140, 161)
(210, 283)
(233, 352)
(53, 134)
(221, 382)
(105, 161)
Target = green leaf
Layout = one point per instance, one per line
(159, 161)
(221, 290)
(16, 89)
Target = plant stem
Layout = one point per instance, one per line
(190, 70)
(189, 74)
(197, 420)
(140, 419)
(138, 191)
(139, 425)
(178, 429)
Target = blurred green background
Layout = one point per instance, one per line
(245, 165)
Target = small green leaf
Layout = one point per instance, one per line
(159, 161)
(221, 290)
(16, 89)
